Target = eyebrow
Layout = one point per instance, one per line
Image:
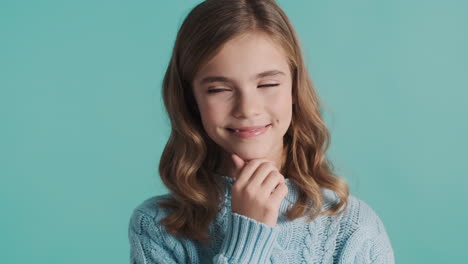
(210, 79)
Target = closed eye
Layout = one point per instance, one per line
(269, 85)
(263, 85)
(216, 90)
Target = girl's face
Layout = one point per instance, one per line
(247, 83)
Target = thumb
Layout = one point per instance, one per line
(238, 162)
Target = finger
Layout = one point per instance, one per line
(278, 195)
(238, 164)
(248, 170)
(273, 179)
(261, 173)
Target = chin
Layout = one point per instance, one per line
(250, 154)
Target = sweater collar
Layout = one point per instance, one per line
(286, 203)
(290, 199)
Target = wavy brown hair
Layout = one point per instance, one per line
(190, 156)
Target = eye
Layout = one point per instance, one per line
(269, 85)
(217, 90)
(263, 85)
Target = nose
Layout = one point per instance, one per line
(247, 105)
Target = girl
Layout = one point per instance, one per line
(245, 162)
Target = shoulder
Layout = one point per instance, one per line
(147, 215)
(365, 217)
(148, 238)
(150, 207)
(358, 214)
(364, 234)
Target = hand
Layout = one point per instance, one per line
(258, 190)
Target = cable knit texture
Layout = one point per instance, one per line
(355, 236)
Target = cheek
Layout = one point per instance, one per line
(211, 114)
(282, 102)
(281, 107)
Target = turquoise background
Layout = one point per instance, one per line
(83, 125)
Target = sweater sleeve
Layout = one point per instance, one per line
(246, 241)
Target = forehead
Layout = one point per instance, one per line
(245, 56)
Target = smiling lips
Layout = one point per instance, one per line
(247, 132)
(250, 128)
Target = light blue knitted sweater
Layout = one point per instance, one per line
(355, 236)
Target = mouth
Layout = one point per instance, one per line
(248, 129)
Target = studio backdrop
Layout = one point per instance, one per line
(83, 126)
